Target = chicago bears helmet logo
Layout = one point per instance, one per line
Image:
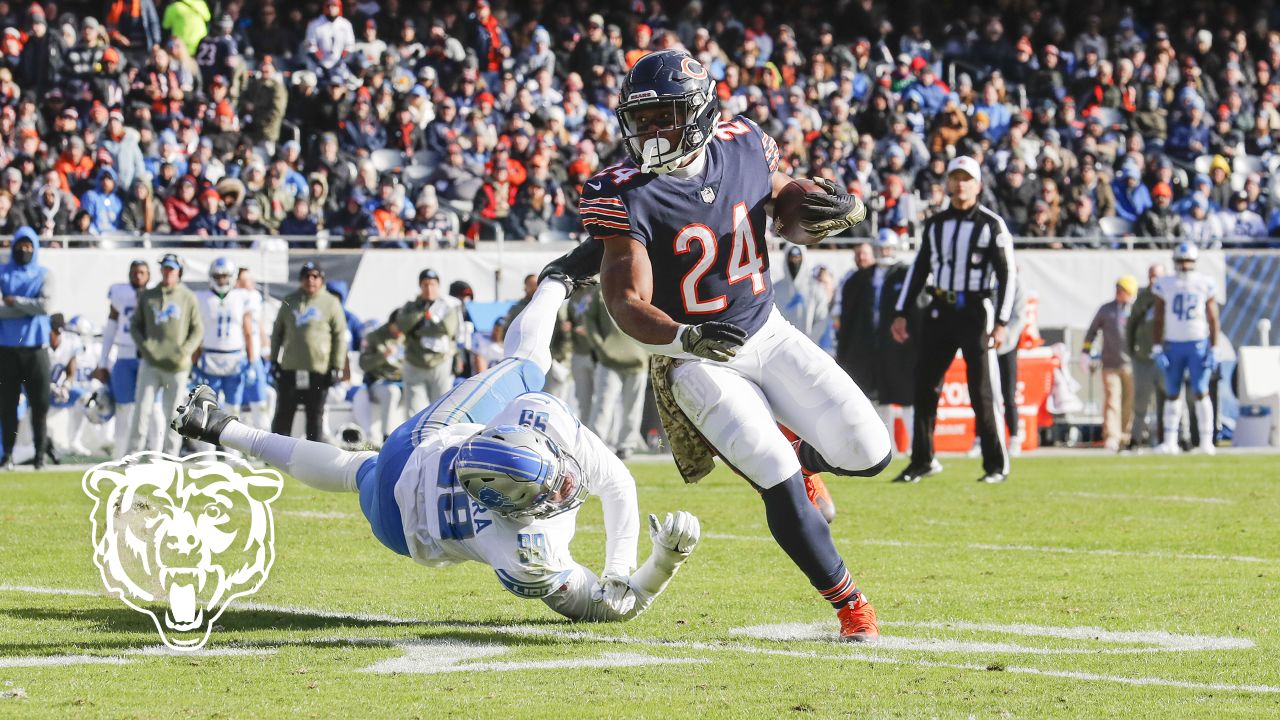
(178, 539)
(693, 68)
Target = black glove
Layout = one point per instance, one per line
(277, 372)
(713, 340)
(334, 377)
(823, 213)
(576, 268)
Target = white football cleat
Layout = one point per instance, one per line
(1167, 449)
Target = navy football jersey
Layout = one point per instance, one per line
(705, 234)
(214, 55)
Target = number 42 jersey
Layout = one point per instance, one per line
(1185, 296)
(705, 235)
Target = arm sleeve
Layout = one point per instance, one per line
(337, 335)
(604, 213)
(37, 305)
(572, 598)
(195, 330)
(916, 275)
(277, 334)
(1094, 327)
(136, 327)
(613, 484)
(108, 341)
(1005, 271)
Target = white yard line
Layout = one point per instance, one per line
(316, 514)
(869, 653)
(995, 547)
(1153, 498)
(60, 660)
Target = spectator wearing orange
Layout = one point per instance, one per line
(1160, 221)
(75, 166)
(181, 207)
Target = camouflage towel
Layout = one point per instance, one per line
(693, 454)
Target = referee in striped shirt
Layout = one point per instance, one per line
(968, 252)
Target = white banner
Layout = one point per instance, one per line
(81, 277)
(1073, 284)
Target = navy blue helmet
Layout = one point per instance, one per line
(667, 109)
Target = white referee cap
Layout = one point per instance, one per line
(965, 164)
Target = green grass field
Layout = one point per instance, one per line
(1088, 586)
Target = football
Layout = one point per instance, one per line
(786, 211)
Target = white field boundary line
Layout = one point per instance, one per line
(1146, 642)
(994, 547)
(1149, 498)
(852, 653)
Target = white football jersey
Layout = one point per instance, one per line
(1185, 296)
(61, 356)
(443, 525)
(223, 319)
(124, 300)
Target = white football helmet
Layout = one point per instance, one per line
(518, 472)
(1185, 255)
(222, 276)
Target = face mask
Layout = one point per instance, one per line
(22, 257)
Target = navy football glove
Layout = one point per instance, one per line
(713, 340)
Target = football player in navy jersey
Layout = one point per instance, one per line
(685, 272)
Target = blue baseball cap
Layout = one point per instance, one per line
(171, 261)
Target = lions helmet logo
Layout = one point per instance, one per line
(179, 538)
(493, 499)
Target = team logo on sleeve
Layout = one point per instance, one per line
(178, 539)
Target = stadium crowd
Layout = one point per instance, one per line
(410, 124)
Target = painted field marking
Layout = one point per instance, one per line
(59, 660)
(446, 656)
(317, 514)
(868, 654)
(1154, 498)
(995, 547)
(1141, 641)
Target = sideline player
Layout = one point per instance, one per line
(685, 273)
(255, 396)
(223, 363)
(1184, 334)
(122, 378)
(494, 471)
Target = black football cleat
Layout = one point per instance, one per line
(578, 267)
(914, 474)
(201, 418)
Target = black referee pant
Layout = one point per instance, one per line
(311, 395)
(24, 368)
(965, 325)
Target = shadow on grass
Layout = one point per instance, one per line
(235, 627)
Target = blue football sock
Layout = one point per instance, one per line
(805, 537)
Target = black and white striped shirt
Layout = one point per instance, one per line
(964, 251)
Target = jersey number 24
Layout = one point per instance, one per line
(744, 261)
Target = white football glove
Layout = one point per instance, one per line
(615, 592)
(677, 533)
